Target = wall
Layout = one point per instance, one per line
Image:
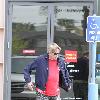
(1, 47)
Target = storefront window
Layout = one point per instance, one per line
(70, 26)
(98, 59)
(29, 31)
(29, 39)
(33, 26)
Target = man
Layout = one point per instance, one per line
(80, 82)
(48, 69)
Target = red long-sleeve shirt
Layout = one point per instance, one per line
(52, 85)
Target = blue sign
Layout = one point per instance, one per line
(93, 29)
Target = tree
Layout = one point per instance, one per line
(68, 24)
(18, 43)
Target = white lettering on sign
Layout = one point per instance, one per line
(94, 26)
(91, 32)
(98, 32)
(94, 37)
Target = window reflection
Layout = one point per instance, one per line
(29, 28)
(29, 39)
(70, 25)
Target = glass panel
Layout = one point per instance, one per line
(70, 25)
(69, 33)
(29, 30)
(29, 39)
(98, 59)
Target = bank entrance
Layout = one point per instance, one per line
(33, 25)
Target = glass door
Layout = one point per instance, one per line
(36, 25)
(69, 32)
(30, 36)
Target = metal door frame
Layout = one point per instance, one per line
(8, 30)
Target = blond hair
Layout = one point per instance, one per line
(53, 47)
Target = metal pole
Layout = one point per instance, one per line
(93, 60)
(92, 87)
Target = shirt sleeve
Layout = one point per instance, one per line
(66, 75)
(28, 69)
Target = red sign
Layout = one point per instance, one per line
(70, 56)
(28, 51)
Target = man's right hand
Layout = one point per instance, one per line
(30, 86)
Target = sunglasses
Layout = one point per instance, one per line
(56, 53)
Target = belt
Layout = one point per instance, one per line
(80, 81)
